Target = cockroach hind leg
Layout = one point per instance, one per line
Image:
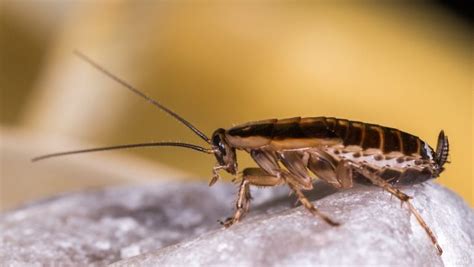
(378, 181)
(404, 201)
(425, 226)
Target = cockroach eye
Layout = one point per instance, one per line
(217, 141)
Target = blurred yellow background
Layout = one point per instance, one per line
(407, 66)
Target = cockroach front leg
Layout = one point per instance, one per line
(215, 174)
(250, 176)
(378, 181)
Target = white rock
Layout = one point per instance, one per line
(129, 251)
(176, 224)
(108, 225)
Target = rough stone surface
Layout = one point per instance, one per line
(175, 224)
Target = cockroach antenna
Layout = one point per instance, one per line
(127, 146)
(143, 95)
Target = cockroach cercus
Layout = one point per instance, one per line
(286, 151)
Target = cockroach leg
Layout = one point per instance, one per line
(215, 174)
(309, 206)
(259, 177)
(378, 181)
(250, 176)
(242, 205)
(344, 174)
(425, 226)
(296, 162)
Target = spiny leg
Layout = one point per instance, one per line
(377, 180)
(241, 205)
(250, 176)
(308, 205)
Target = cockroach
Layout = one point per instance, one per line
(286, 151)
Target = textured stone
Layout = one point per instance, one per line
(175, 224)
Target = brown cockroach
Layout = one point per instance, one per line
(337, 151)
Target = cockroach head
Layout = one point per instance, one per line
(225, 154)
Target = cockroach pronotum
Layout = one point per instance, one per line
(337, 151)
